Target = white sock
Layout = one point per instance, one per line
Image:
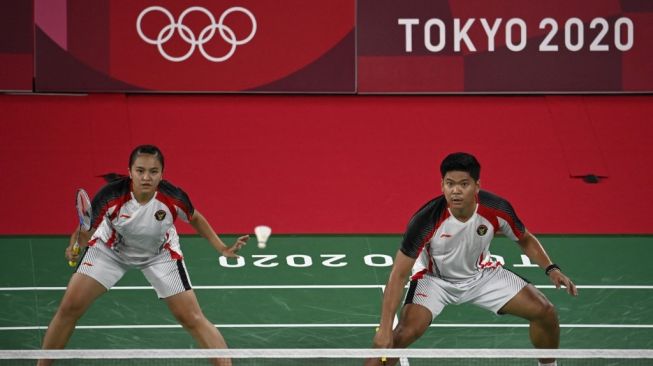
(554, 363)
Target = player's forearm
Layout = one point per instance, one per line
(532, 247)
(204, 229)
(73, 238)
(394, 290)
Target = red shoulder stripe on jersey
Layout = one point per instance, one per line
(117, 203)
(493, 214)
(112, 238)
(489, 214)
(171, 203)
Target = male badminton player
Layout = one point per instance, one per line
(446, 245)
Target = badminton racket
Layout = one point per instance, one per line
(83, 208)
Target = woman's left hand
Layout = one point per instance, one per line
(232, 251)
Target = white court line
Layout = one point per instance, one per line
(243, 287)
(246, 287)
(272, 287)
(329, 353)
(312, 325)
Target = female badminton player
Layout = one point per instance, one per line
(132, 226)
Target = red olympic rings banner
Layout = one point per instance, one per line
(328, 46)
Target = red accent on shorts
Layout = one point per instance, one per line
(419, 275)
(176, 256)
(491, 265)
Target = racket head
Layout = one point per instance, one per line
(83, 206)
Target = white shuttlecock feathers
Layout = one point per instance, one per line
(262, 235)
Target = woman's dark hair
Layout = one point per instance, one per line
(143, 149)
(112, 177)
(146, 149)
(461, 162)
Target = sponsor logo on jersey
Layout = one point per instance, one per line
(160, 215)
(481, 230)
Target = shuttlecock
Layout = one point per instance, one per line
(262, 234)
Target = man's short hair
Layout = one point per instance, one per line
(462, 162)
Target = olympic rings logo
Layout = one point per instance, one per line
(189, 37)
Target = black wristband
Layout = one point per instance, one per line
(551, 268)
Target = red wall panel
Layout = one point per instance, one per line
(332, 164)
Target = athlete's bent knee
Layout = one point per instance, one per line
(405, 335)
(72, 309)
(190, 319)
(548, 311)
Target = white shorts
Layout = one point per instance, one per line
(492, 289)
(168, 276)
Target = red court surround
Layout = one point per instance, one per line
(333, 164)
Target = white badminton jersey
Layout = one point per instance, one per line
(457, 251)
(139, 231)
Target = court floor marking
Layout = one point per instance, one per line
(272, 287)
(313, 325)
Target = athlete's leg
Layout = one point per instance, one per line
(532, 305)
(186, 309)
(171, 282)
(425, 299)
(413, 322)
(80, 294)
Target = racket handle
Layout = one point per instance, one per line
(384, 360)
(75, 251)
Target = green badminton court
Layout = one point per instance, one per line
(325, 292)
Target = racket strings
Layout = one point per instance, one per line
(84, 210)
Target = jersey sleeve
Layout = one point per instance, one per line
(182, 204)
(107, 198)
(509, 223)
(422, 226)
